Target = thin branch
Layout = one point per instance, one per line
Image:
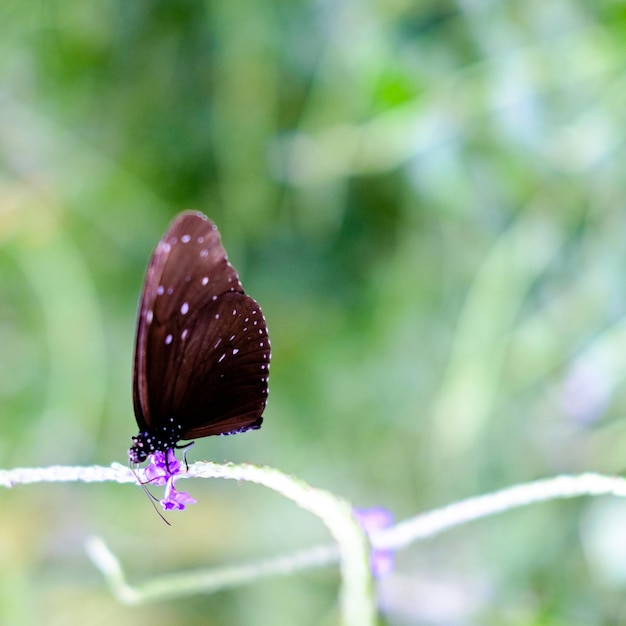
(356, 594)
(357, 597)
(332, 510)
(202, 580)
(435, 522)
(66, 474)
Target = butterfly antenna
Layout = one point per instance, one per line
(151, 497)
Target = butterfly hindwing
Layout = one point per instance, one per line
(222, 381)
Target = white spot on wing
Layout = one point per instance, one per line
(234, 311)
(235, 350)
(221, 358)
(217, 316)
(160, 290)
(185, 238)
(204, 252)
(149, 316)
(184, 309)
(205, 280)
(168, 340)
(170, 291)
(184, 334)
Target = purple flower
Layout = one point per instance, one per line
(164, 469)
(175, 499)
(372, 520)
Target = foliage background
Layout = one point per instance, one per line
(427, 198)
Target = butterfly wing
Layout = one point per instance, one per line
(202, 351)
(221, 385)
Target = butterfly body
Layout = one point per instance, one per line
(202, 351)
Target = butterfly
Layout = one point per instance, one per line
(202, 351)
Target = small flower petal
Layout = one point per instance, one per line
(155, 475)
(162, 467)
(167, 462)
(175, 499)
(372, 520)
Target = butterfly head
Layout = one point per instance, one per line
(148, 442)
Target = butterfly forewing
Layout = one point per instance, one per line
(202, 350)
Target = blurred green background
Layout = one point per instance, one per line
(427, 199)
